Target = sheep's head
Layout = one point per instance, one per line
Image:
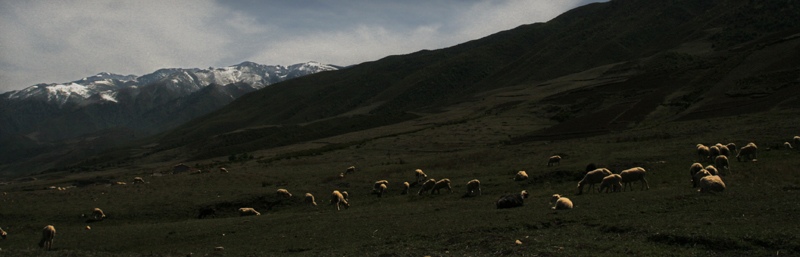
(555, 198)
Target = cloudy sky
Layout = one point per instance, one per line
(59, 41)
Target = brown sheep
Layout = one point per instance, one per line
(698, 176)
(732, 148)
(711, 169)
(444, 183)
(562, 203)
(511, 200)
(428, 185)
(521, 176)
(634, 174)
(722, 163)
(703, 152)
(97, 214)
(750, 152)
(593, 177)
(473, 186)
(48, 233)
(310, 199)
(553, 160)
(248, 212)
(695, 168)
(611, 182)
(711, 184)
(283, 193)
(420, 175)
(337, 198)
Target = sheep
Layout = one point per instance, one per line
(376, 188)
(593, 177)
(444, 183)
(420, 175)
(713, 152)
(724, 150)
(695, 168)
(634, 174)
(711, 184)
(223, 170)
(553, 160)
(3, 233)
(406, 186)
(698, 176)
(382, 190)
(428, 185)
(521, 176)
(473, 186)
(351, 169)
(207, 211)
(711, 169)
(310, 199)
(732, 148)
(722, 163)
(796, 140)
(787, 145)
(611, 182)
(345, 195)
(511, 200)
(337, 198)
(562, 203)
(750, 151)
(703, 152)
(97, 214)
(283, 193)
(138, 180)
(48, 233)
(248, 212)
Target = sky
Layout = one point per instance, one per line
(58, 41)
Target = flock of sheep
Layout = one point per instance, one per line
(706, 178)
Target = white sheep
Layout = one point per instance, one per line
(634, 174)
(376, 188)
(310, 199)
(612, 182)
(698, 176)
(48, 233)
(511, 200)
(703, 152)
(711, 184)
(593, 177)
(337, 198)
(695, 168)
(723, 164)
(97, 214)
(750, 151)
(420, 175)
(351, 169)
(711, 169)
(138, 180)
(787, 145)
(248, 212)
(406, 186)
(473, 186)
(521, 176)
(561, 203)
(283, 193)
(553, 160)
(444, 183)
(428, 185)
(382, 190)
(3, 233)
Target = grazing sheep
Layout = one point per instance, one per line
(376, 188)
(722, 163)
(420, 175)
(97, 214)
(750, 152)
(382, 190)
(207, 211)
(711, 184)
(248, 212)
(593, 177)
(562, 203)
(711, 169)
(346, 195)
(631, 175)
(796, 140)
(787, 145)
(138, 180)
(351, 169)
(553, 160)
(48, 233)
(3, 233)
(473, 186)
(724, 150)
(703, 152)
(310, 199)
(521, 176)
(611, 182)
(406, 186)
(284, 193)
(698, 176)
(223, 170)
(732, 148)
(511, 200)
(337, 198)
(713, 152)
(695, 168)
(428, 185)
(444, 183)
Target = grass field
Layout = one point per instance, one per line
(755, 216)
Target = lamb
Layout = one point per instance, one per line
(97, 214)
(207, 211)
(722, 163)
(444, 183)
(284, 193)
(3, 233)
(382, 190)
(712, 170)
(634, 174)
(593, 177)
(352, 169)
(310, 199)
(337, 198)
(473, 186)
(376, 188)
(138, 180)
(711, 184)
(703, 152)
(248, 212)
(511, 200)
(695, 168)
(611, 182)
(749, 151)
(521, 176)
(48, 233)
(553, 160)
(420, 175)
(698, 176)
(428, 185)
(406, 186)
(562, 203)
(787, 145)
